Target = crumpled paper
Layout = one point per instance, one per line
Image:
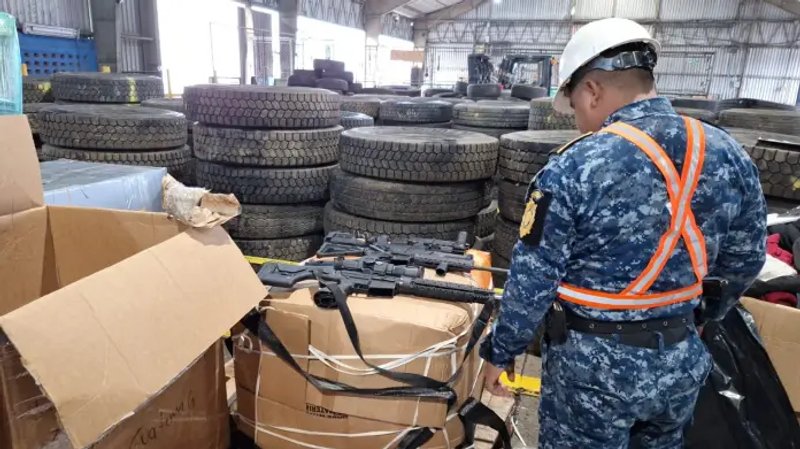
(195, 206)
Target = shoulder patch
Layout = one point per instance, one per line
(569, 144)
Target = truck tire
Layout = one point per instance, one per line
(253, 185)
(418, 154)
(262, 106)
(355, 120)
(294, 249)
(106, 87)
(272, 221)
(356, 88)
(111, 127)
(506, 234)
(543, 116)
(370, 106)
(417, 125)
(170, 104)
(511, 199)
(460, 88)
(336, 220)
(377, 91)
(484, 221)
(177, 161)
(430, 111)
(700, 114)
(31, 110)
(695, 103)
(765, 120)
(328, 65)
(483, 91)
(335, 84)
(501, 114)
(406, 202)
(492, 132)
(751, 103)
(433, 92)
(298, 80)
(524, 153)
(528, 92)
(36, 90)
(778, 160)
(267, 148)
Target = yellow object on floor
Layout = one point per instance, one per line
(262, 260)
(527, 385)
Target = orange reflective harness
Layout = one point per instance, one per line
(682, 226)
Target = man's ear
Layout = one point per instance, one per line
(595, 91)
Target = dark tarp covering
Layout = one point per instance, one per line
(743, 404)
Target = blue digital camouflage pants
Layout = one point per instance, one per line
(599, 394)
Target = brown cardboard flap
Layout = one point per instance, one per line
(103, 345)
(23, 236)
(20, 179)
(779, 327)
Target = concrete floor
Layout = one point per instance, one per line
(527, 418)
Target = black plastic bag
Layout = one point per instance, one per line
(743, 404)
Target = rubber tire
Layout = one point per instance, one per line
(695, 103)
(294, 249)
(765, 120)
(355, 120)
(344, 76)
(447, 95)
(36, 90)
(484, 220)
(377, 91)
(336, 220)
(274, 221)
(262, 106)
(483, 91)
(543, 116)
(528, 92)
(329, 65)
(434, 91)
(751, 103)
(492, 114)
(523, 154)
(460, 88)
(778, 162)
(111, 127)
(170, 104)
(334, 84)
(177, 161)
(296, 80)
(445, 125)
(406, 202)
(267, 148)
(506, 234)
(491, 132)
(511, 199)
(430, 111)
(356, 88)
(31, 110)
(700, 114)
(267, 185)
(106, 87)
(418, 154)
(370, 106)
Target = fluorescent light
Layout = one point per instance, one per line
(497, 2)
(47, 30)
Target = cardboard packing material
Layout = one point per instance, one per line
(779, 327)
(110, 319)
(389, 330)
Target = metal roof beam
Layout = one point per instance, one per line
(381, 7)
(793, 6)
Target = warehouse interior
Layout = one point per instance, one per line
(309, 224)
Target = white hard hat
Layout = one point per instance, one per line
(589, 42)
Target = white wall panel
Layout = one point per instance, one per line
(636, 9)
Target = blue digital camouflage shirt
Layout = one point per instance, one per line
(607, 212)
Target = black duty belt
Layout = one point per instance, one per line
(643, 334)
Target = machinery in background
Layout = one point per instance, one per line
(535, 70)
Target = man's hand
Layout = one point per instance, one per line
(492, 379)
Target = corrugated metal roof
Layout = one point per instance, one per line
(540, 9)
(636, 9)
(416, 8)
(698, 10)
(60, 13)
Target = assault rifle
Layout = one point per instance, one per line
(441, 255)
(342, 277)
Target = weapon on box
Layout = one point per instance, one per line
(441, 255)
(370, 277)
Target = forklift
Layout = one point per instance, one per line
(535, 70)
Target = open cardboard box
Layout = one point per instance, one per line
(111, 319)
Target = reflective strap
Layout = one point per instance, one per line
(602, 300)
(693, 237)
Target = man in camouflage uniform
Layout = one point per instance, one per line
(620, 229)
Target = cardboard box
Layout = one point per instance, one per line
(107, 186)
(779, 327)
(389, 329)
(111, 319)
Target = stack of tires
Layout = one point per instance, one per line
(355, 120)
(777, 157)
(493, 118)
(36, 94)
(766, 120)
(421, 112)
(327, 74)
(544, 116)
(117, 88)
(410, 182)
(522, 155)
(275, 149)
(116, 134)
(528, 92)
(364, 104)
(483, 91)
(176, 104)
